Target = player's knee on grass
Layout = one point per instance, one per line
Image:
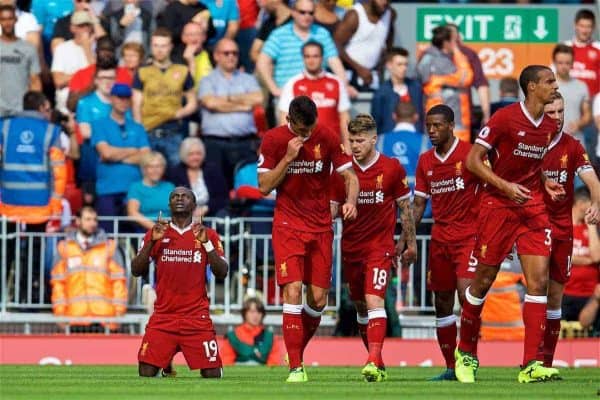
(211, 373)
(444, 303)
(147, 370)
(292, 293)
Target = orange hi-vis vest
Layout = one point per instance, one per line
(501, 318)
(88, 283)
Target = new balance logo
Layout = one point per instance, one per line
(166, 240)
(521, 133)
(429, 173)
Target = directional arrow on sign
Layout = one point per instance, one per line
(540, 30)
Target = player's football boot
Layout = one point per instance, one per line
(447, 375)
(297, 375)
(169, 372)
(373, 373)
(535, 371)
(466, 366)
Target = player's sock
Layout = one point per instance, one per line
(310, 322)
(376, 334)
(534, 318)
(363, 323)
(470, 322)
(446, 336)
(551, 336)
(293, 333)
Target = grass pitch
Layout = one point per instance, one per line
(121, 382)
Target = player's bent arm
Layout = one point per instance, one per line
(407, 220)
(351, 184)
(141, 262)
(475, 164)
(419, 204)
(590, 179)
(218, 265)
(271, 179)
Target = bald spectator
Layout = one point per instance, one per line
(19, 61)
(194, 55)
(228, 97)
(509, 94)
(366, 31)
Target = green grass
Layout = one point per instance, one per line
(121, 382)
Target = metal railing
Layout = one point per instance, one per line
(27, 258)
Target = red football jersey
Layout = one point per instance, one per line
(583, 277)
(518, 145)
(302, 201)
(180, 263)
(325, 89)
(453, 192)
(565, 158)
(84, 77)
(586, 64)
(382, 182)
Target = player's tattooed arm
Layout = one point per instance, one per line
(407, 244)
(419, 204)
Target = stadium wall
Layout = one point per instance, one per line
(326, 351)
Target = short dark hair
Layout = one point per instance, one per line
(102, 64)
(362, 123)
(582, 193)
(105, 43)
(562, 49)
(396, 51)
(85, 208)
(8, 7)
(312, 43)
(161, 31)
(531, 74)
(248, 303)
(405, 111)
(443, 110)
(33, 101)
(509, 85)
(585, 13)
(303, 110)
(440, 34)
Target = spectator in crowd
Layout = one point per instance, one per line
(225, 15)
(27, 27)
(190, 173)
(180, 12)
(251, 343)
(132, 57)
(325, 89)
(83, 81)
(228, 97)
(509, 94)
(586, 67)
(47, 13)
(33, 187)
(589, 317)
(148, 198)
(249, 11)
(121, 143)
(405, 142)
(586, 255)
(19, 64)
(480, 82)
(446, 77)
(366, 31)
(578, 112)
(72, 55)
(281, 55)
(130, 24)
(328, 14)
(88, 277)
(501, 318)
(63, 30)
(397, 89)
(278, 13)
(596, 114)
(158, 91)
(194, 55)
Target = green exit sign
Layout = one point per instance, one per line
(511, 25)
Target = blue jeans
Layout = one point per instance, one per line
(110, 205)
(244, 39)
(166, 139)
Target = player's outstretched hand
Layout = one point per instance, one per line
(592, 215)
(518, 193)
(199, 231)
(159, 228)
(349, 212)
(293, 148)
(555, 190)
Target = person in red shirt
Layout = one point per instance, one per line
(586, 51)
(564, 159)
(325, 89)
(442, 177)
(368, 241)
(297, 159)
(512, 211)
(181, 250)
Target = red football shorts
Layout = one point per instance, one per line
(560, 260)
(164, 338)
(502, 227)
(447, 263)
(369, 276)
(303, 256)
